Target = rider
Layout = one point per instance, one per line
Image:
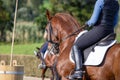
(42, 52)
(44, 48)
(104, 19)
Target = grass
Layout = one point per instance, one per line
(19, 48)
(118, 38)
(26, 49)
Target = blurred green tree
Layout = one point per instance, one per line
(5, 21)
(80, 9)
(30, 11)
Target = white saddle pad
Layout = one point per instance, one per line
(96, 57)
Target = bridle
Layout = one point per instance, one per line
(55, 44)
(50, 34)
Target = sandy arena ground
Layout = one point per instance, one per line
(33, 78)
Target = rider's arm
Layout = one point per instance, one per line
(97, 9)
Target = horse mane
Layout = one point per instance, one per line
(67, 17)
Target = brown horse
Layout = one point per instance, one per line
(48, 61)
(60, 31)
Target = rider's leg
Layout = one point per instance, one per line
(44, 48)
(42, 53)
(78, 63)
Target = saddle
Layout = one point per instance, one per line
(107, 40)
(103, 42)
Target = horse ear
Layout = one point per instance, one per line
(37, 48)
(48, 15)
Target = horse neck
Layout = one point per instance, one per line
(66, 45)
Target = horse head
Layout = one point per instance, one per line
(59, 29)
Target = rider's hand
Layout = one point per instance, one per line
(87, 27)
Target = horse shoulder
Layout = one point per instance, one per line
(116, 65)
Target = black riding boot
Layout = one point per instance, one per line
(78, 73)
